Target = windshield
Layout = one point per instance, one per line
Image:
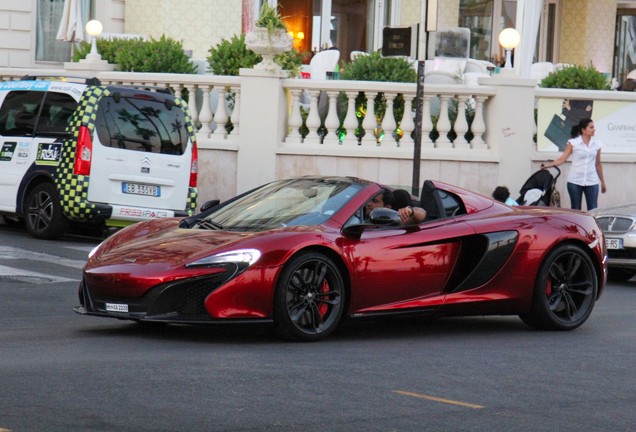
(284, 203)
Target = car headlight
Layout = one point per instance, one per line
(92, 252)
(242, 257)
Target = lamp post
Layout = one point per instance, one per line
(94, 28)
(509, 39)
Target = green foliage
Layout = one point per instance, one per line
(108, 49)
(374, 67)
(163, 55)
(269, 18)
(576, 77)
(291, 61)
(229, 56)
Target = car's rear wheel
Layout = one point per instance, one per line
(44, 218)
(565, 290)
(619, 275)
(309, 299)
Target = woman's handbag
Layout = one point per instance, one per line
(558, 132)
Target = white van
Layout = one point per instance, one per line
(80, 152)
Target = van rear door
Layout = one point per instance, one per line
(141, 152)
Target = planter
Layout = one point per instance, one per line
(268, 43)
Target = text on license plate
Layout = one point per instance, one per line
(141, 189)
(116, 307)
(611, 243)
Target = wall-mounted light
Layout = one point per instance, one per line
(300, 35)
(509, 39)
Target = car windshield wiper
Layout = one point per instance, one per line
(209, 224)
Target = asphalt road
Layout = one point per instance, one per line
(60, 371)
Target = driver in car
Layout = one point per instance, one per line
(408, 215)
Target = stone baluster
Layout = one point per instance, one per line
(295, 118)
(220, 116)
(177, 90)
(479, 125)
(406, 124)
(205, 116)
(427, 123)
(461, 124)
(313, 119)
(388, 122)
(236, 111)
(351, 120)
(332, 123)
(192, 103)
(370, 123)
(443, 124)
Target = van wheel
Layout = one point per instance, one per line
(44, 218)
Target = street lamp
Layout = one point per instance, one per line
(94, 28)
(509, 39)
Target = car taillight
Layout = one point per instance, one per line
(194, 165)
(84, 152)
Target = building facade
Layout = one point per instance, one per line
(598, 32)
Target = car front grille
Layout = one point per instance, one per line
(629, 253)
(615, 224)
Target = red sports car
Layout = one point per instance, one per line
(305, 252)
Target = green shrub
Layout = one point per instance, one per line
(229, 56)
(374, 67)
(163, 55)
(576, 77)
(269, 18)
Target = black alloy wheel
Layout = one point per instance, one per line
(309, 299)
(565, 291)
(44, 218)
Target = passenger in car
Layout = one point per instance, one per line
(408, 214)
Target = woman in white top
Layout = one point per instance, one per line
(587, 171)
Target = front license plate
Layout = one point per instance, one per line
(611, 243)
(116, 307)
(141, 189)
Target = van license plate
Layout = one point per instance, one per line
(141, 189)
(611, 243)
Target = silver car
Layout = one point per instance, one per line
(619, 225)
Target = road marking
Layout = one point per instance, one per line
(436, 399)
(11, 253)
(29, 276)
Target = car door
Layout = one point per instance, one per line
(141, 153)
(32, 124)
(402, 268)
(18, 115)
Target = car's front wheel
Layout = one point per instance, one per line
(44, 218)
(565, 290)
(309, 299)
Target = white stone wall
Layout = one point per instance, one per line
(587, 33)
(18, 23)
(200, 24)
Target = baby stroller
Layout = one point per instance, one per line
(540, 190)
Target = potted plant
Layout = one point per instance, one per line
(269, 38)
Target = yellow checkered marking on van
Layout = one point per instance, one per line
(73, 188)
(191, 202)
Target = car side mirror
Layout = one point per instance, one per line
(384, 216)
(209, 204)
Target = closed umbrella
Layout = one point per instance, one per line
(71, 27)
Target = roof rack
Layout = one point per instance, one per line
(67, 78)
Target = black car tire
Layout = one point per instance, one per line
(310, 298)
(44, 218)
(619, 275)
(565, 290)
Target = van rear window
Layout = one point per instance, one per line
(141, 125)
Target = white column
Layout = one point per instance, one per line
(261, 134)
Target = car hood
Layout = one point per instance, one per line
(161, 242)
(617, 210)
